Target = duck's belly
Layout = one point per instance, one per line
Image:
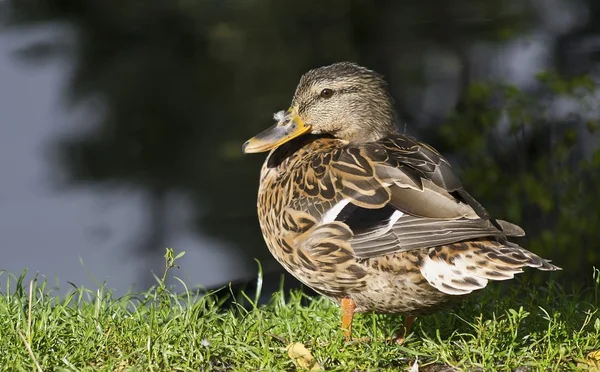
(392, 285)
(408, 294)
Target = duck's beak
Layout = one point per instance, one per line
(288, 127)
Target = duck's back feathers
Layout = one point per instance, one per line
(394, 195)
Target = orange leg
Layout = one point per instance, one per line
(407, 325)
(348, 307)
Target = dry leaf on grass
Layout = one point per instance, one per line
(302, 356)
(593, 359)
(591, 362)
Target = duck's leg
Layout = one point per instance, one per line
(348, 306)
(407, 325)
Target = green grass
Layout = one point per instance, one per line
(544, 327)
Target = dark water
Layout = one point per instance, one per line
(121, 123)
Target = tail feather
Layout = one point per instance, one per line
(463, 267)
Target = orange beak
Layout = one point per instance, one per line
(287, 128)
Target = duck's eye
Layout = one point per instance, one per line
(326, 93)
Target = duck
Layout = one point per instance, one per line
(370, 217)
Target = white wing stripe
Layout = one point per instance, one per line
(332, 214)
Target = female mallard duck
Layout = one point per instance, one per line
(369, 217)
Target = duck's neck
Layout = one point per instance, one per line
(379, 123)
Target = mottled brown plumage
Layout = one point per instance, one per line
(363, 214)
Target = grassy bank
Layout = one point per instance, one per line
(506, 328)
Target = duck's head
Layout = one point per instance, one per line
(344, 100)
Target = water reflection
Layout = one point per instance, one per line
(161, 94)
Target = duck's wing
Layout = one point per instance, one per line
(399, 194)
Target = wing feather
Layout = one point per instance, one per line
(401, 174)
(363, 185)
